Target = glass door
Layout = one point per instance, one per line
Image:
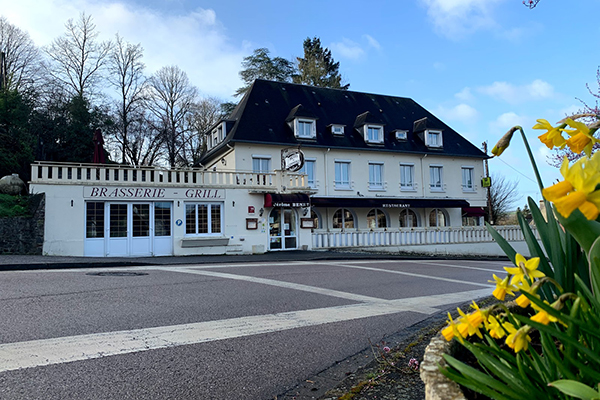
(140, 229)
(283, 229)
(118, 229)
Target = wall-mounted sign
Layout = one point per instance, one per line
(179, 222)
(108, 192)
(292, 159)
(486, 182)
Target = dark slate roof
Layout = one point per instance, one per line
(263, 114)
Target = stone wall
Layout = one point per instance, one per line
(24, 235)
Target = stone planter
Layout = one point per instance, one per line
(437, 386)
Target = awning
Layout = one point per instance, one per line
(473, 211)
(383, 202)
(287, 200)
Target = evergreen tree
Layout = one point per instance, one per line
(16, 141)
(318, 68)
(261, 66)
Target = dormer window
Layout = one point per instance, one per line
(401, 135)
(337, 130)
(433, 138)
(373, 133)
(217, 135)
(305, 128)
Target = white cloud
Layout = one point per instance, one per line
(439, 66)
(506, 121)
(372, 42)
(348, 49)
(462, 112)
(457, 18)
(515, 94)
(465, 95)
(195, 41)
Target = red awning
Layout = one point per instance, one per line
(473, 211)
(287, 200)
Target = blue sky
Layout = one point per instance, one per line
(481, 66)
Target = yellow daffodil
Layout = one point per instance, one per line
(582, 139)
(542, 316)
(451, 330)
(522, 301)
(504, 142)
(518, 339)
(469, 325)
(553, 137)
(524, 269)
(494, 328)
(502, 288)
(578, 190)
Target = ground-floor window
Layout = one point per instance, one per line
(203, 218)
(376, 219)
(408, 219)
(316, 219)
(162, 219)
(343, 219)
(437, 217)
(470, 221)
(94, 220)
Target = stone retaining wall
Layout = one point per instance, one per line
(24, 235)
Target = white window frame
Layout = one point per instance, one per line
(300, 133)
(337, 130)
(401, 135)
(410, 187)
(262, 158)
(339, 182)
(439, 142)
(371, 127)
(436, 187)
(209, 218)
(465, 185)
(311, 180)
(374, 183)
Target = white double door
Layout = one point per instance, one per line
(138, 229)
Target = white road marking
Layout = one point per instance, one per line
(37, 353)
(287, 285)
(437, 278)
(421, 262)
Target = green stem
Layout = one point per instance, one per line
(532, 159)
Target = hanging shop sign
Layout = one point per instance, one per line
(292, 159)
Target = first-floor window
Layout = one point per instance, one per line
(437, 218)
(375, 176)
(343, 219)
(435, 178)
(203, 218)
(407, 176)
(467, 179)
(94, 220)
(376, 219)
(408, 219)
(342, 174)
(309, 169)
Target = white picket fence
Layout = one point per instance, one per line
(414, 236)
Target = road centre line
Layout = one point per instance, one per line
(420, 262)
(287, 285)
(437, 278)
(35, 353)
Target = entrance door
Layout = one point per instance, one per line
(283, 229)
(140, 229)
(118, 223)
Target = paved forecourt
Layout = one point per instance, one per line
(62, 318)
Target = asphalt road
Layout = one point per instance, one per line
(220, 331)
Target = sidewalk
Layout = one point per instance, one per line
(30, 262)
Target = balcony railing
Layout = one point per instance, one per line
(414, 236)
(120, 175)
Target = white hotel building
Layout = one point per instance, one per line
(378, 170)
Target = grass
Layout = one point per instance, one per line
(14, 206)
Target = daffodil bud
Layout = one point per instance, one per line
(504, 141)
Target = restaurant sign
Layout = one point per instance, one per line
(144, 193)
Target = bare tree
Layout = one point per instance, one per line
(503, 195)
(205, 114)
(21, 57)
(77, 58)
(170, 98)
(127, 76)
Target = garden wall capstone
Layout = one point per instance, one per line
(24, 235)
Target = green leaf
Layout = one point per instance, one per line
(594, 264)
(583, 230)
(474, 385)
(575, 389)
(504, 245)
(540, 223)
